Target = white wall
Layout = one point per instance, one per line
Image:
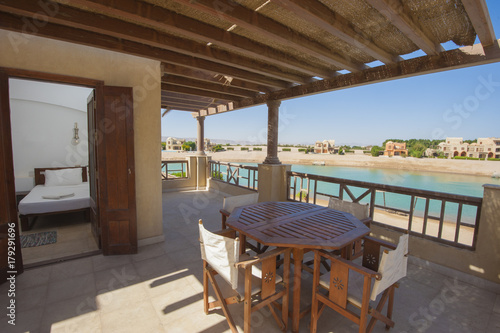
(42, 119)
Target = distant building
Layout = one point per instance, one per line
(395, 149)
(454, 147)
(174, 144)
(483, 148)
(325, 147)
(208, 144)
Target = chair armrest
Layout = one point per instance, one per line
(352, 265)
(261, 257)
(367, 221)
(381, 242)
(225, 212)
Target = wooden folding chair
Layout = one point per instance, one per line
(229, 204)
(359, 211)
(252, 280)
(349, 285)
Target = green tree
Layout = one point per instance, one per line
(163, 146)
(417, 150)
(376, 150)
(189, 145)
(217, 148)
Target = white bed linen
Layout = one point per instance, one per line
(33, 203)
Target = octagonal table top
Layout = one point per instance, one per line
(297, 224)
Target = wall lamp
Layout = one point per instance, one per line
(76, 138)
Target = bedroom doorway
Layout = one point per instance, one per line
(114, 218)
(49, 124)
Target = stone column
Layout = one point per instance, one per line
(272, 132)
(200, 147)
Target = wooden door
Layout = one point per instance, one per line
(11, 262)
(116, 171)
(91, 117)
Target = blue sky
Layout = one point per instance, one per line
(458, 103)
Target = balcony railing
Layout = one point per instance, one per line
(174, 169)
(235, 174)
(446, 218)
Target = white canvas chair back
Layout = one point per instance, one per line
(230, 203)
(358, 210)
(221, 253)
(392, 267)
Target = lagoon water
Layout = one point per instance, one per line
(431, 181)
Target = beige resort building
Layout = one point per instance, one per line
(176, 144)
(325, 147)
(483, 148)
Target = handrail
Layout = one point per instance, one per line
(236, 174)
(167, 174)
(424, 227)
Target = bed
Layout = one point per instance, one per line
(56, 191)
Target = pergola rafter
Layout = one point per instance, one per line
(219, 56)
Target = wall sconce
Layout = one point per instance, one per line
(76, 138)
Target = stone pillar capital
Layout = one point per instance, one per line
(273, 103)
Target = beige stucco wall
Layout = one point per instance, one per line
(115, 69)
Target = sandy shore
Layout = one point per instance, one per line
(483, 168)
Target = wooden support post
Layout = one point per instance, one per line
(200, 146)
(272, 132)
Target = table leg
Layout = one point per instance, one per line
(298, 256)
(243, 242)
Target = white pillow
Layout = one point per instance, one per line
(62, 177)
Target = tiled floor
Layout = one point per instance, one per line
(74, 237)
(160, 290)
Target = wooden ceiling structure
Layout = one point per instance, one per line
(221, 55)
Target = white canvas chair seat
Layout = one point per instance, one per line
(355, 292)
(244, 275)
(351, 284)
(256, 280)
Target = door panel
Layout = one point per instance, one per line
(91, 115)
(10, 246)
(116, 171)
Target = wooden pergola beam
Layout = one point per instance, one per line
(187, 102)
(88, 38)
(274, 31)
(209, 86)
(198, 92)
(198, 105)
(394, 11)
(178, 108)
(80, 19)
(166, 20)
(320, 15)
(480, 18)
(447, 60)
(213, 77)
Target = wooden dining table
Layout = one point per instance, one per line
(300, 226)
